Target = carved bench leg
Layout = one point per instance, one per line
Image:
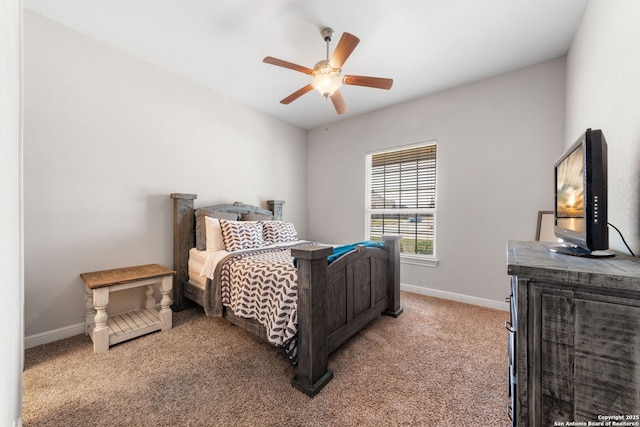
(101, 329)
(90, 311)
(165, 302)
(150, 301)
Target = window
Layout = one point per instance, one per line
(401, 197)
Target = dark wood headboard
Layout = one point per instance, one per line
(184, 234)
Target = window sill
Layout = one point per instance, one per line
(419, 260)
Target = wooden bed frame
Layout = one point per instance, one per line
(335, 301)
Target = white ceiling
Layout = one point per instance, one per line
(425, 46)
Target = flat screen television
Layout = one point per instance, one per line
(581, 197)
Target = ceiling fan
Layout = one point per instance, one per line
(326, 74)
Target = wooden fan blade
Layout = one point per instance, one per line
(375, 82)
(290, 65)
(338, 102)
(345, 46)
(297, 94)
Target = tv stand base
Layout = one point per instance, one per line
(578, 251)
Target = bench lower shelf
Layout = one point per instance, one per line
(125, 326)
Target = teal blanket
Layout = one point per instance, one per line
(338, 251)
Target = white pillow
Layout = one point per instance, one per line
(215, 242)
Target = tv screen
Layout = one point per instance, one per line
(570, 212)
(581, 197)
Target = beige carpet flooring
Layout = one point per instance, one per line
(441, 363)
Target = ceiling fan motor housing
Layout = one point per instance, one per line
(327, 33)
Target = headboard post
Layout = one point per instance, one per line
(184, 238)
(275, 206)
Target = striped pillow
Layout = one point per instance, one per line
(241, 235)
(278, 232)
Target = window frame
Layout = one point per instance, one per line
(406, 258)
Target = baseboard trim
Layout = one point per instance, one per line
(483, 302)
(54, 335)
(77, 329)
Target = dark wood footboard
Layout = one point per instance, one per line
(336, 301)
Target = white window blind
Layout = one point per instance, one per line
(402, 197)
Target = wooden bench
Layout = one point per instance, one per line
(106, 331)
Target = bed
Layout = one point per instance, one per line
(337, 295)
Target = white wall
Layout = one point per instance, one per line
(107, 138)
(11, 270)
(497, 142)
(603, 92)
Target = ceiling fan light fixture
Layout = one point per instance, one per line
(326, 79)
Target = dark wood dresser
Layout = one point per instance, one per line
(574, 338)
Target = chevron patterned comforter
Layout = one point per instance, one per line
(262, 284)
